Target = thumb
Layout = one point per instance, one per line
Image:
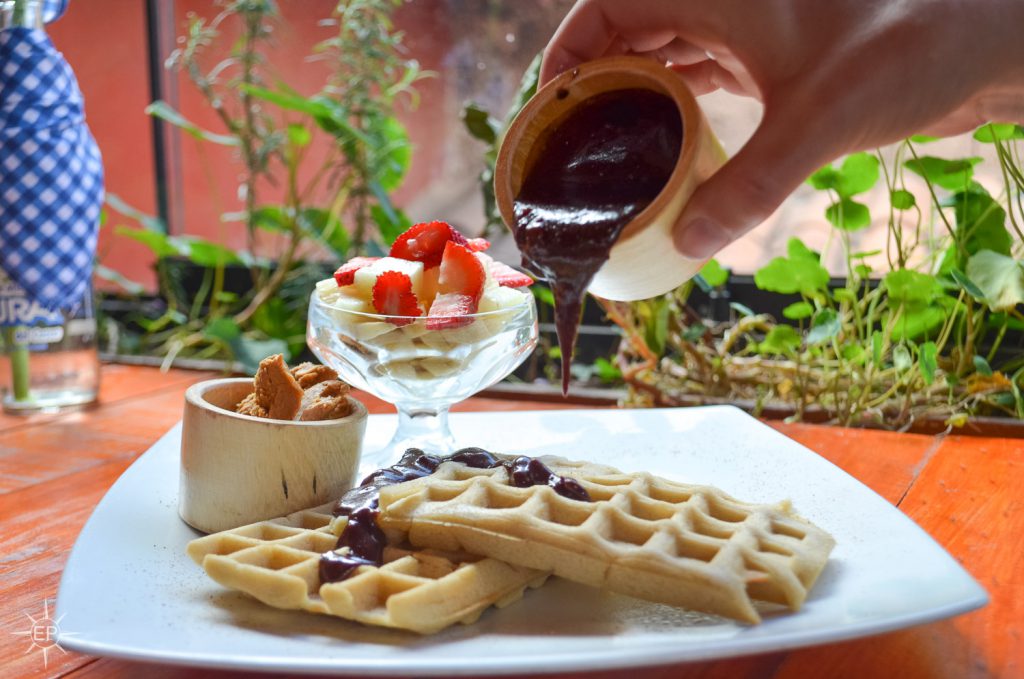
(747, 189)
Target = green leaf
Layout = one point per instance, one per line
(928, 354)
(277, 319)
(1000, 279)
(527, 88)
(848, 215)
(923, 138)
(209, 254)
(845, 295)
(390, 227)
(982, 367)
(324, 228)
(800, 272)
(902, 199)
(392, 152)
(966, 284)
(714, 273)
(693, 333)
(992, 132)
(798, 310)
(299, 135)
(656, 328)
(326, 113)
(858, 174)
(223, 329)
(854, 353)
(159, 244)
(824, 327)
(796, 249)
(980, 222)
(163, 111)
(271, 218)
(918, 322)
(249, 352)
(953, 175)
(607, 371)
(862, 271)
(824, 179)
(781, 339)
(480, 124)
(909, 288)
(901, 358)
(543, 295)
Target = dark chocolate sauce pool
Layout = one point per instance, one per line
(366, 541)
(598, 169)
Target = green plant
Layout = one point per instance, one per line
(336, 155)
(918, 338)
(484, 127)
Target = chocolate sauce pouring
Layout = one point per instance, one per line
(364, 538)
(597, 170)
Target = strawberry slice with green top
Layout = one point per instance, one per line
(505, 275)
(426, 243)
(459, 288)
(393, 296)
(346, 273)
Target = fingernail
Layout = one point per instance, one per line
(700, 238)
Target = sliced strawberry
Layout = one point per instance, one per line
(461, 272)
(426, 242)
(450, 310)
(345, 275)
(478, 244)
(505, 275)
(393, 296)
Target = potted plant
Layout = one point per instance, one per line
(337, 201)
(913, 335)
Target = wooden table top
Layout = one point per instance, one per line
(965, 491)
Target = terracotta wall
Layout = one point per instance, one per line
(476, 49)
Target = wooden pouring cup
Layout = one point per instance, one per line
(643, 262)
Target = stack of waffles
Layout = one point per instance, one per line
(467, 538)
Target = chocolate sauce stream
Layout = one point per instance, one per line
(598, 169)
(364, 538)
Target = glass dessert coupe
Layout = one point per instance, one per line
(418, 367)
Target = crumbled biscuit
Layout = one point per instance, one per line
(308, 374)
(307, 392)
(324, 401)
(276, 393)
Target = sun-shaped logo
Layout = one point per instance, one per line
(44, 633)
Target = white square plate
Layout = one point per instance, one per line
(130, 591)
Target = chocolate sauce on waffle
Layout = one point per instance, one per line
(364, 538)
(597, 170)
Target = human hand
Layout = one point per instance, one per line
(834, 77)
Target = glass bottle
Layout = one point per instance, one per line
(48, 359)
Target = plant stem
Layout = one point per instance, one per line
(19, 357)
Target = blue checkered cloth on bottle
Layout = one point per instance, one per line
(51, 173)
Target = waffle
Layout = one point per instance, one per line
(423, 591)
(644, 536)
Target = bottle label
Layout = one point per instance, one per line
(16, 309)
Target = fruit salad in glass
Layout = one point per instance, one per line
(428, 325)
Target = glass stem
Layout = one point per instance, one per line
(424, 426)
